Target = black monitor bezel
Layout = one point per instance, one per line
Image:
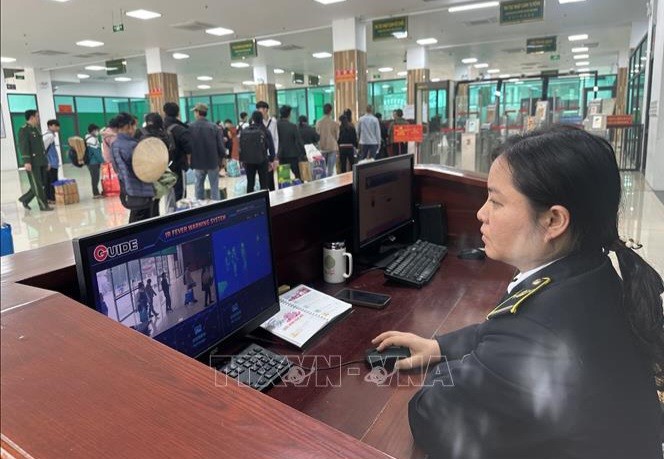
(83, 266)
(357, 168)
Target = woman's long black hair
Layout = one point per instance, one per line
(575, 169)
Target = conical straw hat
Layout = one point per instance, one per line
(150, 159)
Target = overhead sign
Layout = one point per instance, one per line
(116, 67)
(314, 80)
(118, 28)
(298, 78)
(554, 57)
(243, 49)
(390, 28)
(619, 121)
(407, 132)
(345, 75)
(65, 109)
(541, 45)
(518, 11)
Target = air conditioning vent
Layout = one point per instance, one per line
(48, 52)
(481, 22)
(193, 26)
(91, 55)
(513, 50)
(288, 47)
(592, 45)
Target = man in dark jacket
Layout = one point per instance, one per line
(307, 132)
(207, 153)
(291, 148)
(256, 152)
(31, 146)
(182, 150)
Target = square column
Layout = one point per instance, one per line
(162, 79)
(417, 65)
(350, 66)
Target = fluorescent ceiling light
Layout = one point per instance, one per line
(122, 79)
(581, 56)
(585, 69)
(493, 71)
(278, 71)
(269, 42)
(180, 56)
(583, 63)
(329, 2)
(90, 43)
(469, 60)
(481, 66)
(504, 75)
(204, 78)
(82, 76)
(322, 55)
(435, 80)
(385, 69)
(581, 49)
(400, 35)
(203, 86)
(219, 31)
(7, 60)
(579, 37)
(240, 65)
(95, 68)
(473, 6)
(143, 14)
(643, 58)
(562, 2)
(402, 73)
(427, 41)
(249, 83)
(584, 75)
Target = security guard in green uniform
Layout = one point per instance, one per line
(568, 364)
(31, 146)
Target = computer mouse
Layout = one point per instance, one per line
(387, 358)
(472, 254)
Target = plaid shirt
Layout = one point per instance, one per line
(122, 151)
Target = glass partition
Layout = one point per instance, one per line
(18, 104)
(519, 101)
(90, 110)
(387, 96)
(566, 96)
(223, 108)
(139, 108)
(246, 102)
(316, 99)
(296, 98)
(480, 97)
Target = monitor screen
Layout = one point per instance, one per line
(189, 279)
(383, 196)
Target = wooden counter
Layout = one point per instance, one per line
(77, 384)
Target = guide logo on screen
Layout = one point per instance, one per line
(102, 253)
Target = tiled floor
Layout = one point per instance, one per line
(642, 215)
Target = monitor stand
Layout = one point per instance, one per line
(380, 256)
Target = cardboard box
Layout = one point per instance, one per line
(66, 192)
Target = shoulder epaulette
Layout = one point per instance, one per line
(511, 305)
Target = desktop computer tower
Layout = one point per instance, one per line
(431, 223)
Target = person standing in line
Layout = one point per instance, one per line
(122, 152)
(31, 146)
(257, 152)
(141, 301)
(183, 148)
(307, 132)
(384, 138)
(53, 159)
(206, 285)
(328, 129)
(188, 280)
(368, 131)
(166, 288)
(243, 124)
(151, 294)
(291, 148)
(398, 148)
(208, 152)
(95, 158)
(108, 136)
(270, 123)
(347, 143)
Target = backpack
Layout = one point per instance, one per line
(78, 154)
(253, 146)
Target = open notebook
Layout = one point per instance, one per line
(304, 313)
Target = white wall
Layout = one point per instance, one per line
(655, 148)
(133, 89)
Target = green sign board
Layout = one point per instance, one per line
(541, 45)
(518, 11)
(243, 49)
(116, 67)
(387, 28)
(118, 28)
(554, 57)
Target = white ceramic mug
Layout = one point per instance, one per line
(334, 265)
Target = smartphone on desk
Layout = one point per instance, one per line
(363, 298)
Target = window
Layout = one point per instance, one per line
(246, 102)
(316, 99)
(387, 96)
(18, 104)
(139, 108)
(296, 98)
(89, 110)
(223, 107)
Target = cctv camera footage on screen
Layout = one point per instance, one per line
(189, 283)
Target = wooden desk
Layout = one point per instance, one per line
(77, 384)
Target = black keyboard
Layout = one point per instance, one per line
(257, 367)
(416, 264)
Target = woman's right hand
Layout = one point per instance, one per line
(422, 351)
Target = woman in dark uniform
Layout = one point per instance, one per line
(567, 364)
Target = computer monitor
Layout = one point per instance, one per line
(190, 279)
(383, 200)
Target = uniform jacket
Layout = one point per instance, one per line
(560, 378)
(329, 133)
(207, 145)
(122, 151)
(290, 142)
(31, 145)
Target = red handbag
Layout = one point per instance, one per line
(110, 183)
